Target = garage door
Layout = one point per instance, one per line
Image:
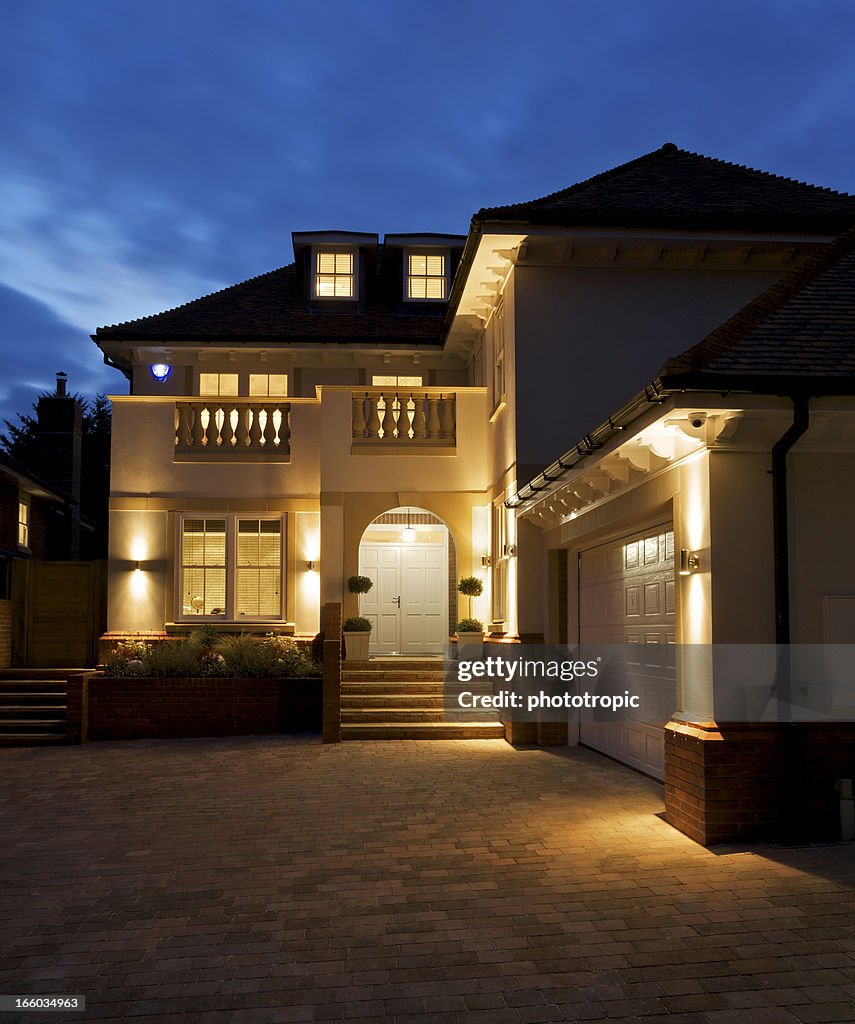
(626, 597)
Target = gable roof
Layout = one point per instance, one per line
(803, 326)
(273, 307)
(673, 187)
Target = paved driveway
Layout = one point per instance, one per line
(261, 879)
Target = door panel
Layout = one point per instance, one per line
(627, 597)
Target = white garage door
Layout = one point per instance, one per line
(626, 597)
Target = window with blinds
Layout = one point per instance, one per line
(23, 524)
(259, 568)
(334, 277)
(203, 566)
(218, 385)
(268, 385)
(231, 567)
(425, 276)
(387, 380)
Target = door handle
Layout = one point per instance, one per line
(397, 600)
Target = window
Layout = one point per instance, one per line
(499, 549)
(334, 275)
(498, 329)
(231, 567)
(23, 523)
(218, 385)
(391, 381)
(268, 385)
(425, 276)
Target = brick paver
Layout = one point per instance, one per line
(262, 879)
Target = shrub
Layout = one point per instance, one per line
(470, 626)
(173, 658)
(359, 584)
(293, 661)
(205, 637)
(128, 659)
(245, 656)
(356, 624)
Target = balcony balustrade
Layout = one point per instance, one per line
(233, 428)
(385, 417)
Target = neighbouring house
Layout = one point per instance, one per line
(51, 601)
(672, 340)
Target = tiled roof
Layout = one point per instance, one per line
(273, 306)
(803, 326)
(673, 187)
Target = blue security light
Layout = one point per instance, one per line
(160, 371)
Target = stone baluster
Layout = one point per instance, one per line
(242, 432)
(269, 429)
(358, 416)
(433, 417)
(255, 429)
(185, 418)
(419, 417)
(227, 433)
(388, 419)
(447, 416)
(285, 429)
(196, 431)
(372, 427)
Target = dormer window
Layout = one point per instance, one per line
(334, 275)
(426, 276)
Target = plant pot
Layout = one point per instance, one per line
(470, 645)
(356, 646)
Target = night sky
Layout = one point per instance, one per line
(153, 152)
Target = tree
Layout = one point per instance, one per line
(21, 442)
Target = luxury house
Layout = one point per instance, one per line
(627, 407)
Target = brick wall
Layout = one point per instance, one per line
(174, 707)
(746, 781)
(5, 634)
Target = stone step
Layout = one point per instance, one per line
(30, 726)
(392, 675)
(32, 686)
(405, 690)
(423, 731)
(35, 674)
(391, 714)
(40, 709)
(46, 739)
(415, 701)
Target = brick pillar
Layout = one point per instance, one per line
(332, 672)
(77, 707)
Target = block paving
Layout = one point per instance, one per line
(271, 879)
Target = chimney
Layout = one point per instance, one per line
(60, 424)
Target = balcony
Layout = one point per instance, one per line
(233, 429)
(412, 419)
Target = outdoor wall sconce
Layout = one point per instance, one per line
(138, 566)
(160, 371)
(512, 550)
(310, 566)
(485, 561)
(690, 561)
(408, 534)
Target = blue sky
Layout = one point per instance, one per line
(155, 152)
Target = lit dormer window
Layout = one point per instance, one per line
(426, 278)
(334, 277)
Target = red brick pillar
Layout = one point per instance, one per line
(77, 707)
(332, 673)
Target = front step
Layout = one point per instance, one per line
(32, 707)
(403, 699)
(424, 731)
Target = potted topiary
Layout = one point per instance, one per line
(470, 637)
(360, 584)
(357, 634)
(471, 586)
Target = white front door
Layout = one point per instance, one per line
(408, 604)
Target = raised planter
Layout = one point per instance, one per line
(356, 646)
(161, 708)
(470, 645)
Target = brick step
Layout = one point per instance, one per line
(390, 700)
(391, 714)
(26, 695)
(28, 726)
(392, 675)
(408, 664)
(39, 709)
(33, 686)
(33, 739)
(404, 690)
(35, 674)
(423, 731)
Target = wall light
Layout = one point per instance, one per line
(160, 371)
(408, 534)
(486, 561)
(310, 565)
(137, 566)
(690, 561)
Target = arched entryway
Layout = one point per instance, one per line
(410, 556)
